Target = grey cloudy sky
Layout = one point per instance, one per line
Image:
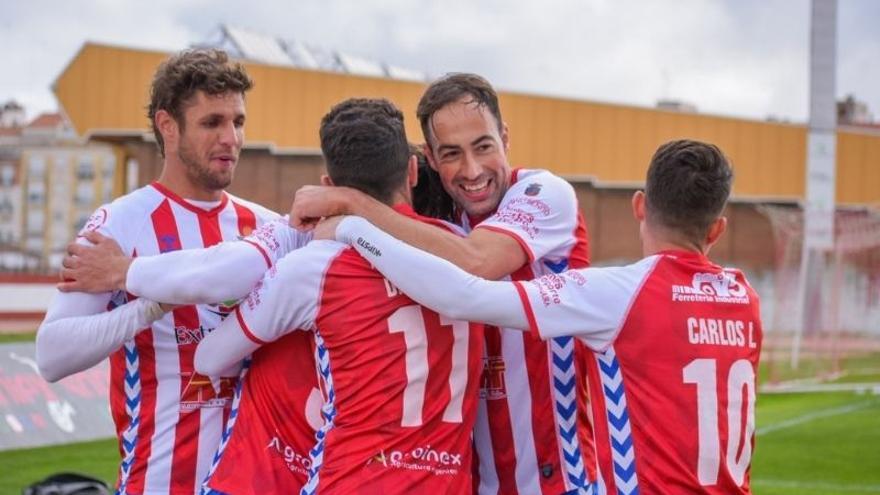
(744, 58)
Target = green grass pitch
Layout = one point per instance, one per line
(816, 443)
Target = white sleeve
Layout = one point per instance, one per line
(224, 272)
(78, 333)
(434, 282)
(589, 303)
(540, 212)
(286, 299)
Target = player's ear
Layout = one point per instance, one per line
(638, 205)
(168, 127)
(326, 180)
(505, 137)
(429, 155)
(412, 171)
(718, 227)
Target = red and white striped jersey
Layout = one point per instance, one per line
(532, 434)
(168, 418)
(400, 380)
(677, 342)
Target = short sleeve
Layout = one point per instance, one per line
(289, 295)
(540, 211)
(589, 303)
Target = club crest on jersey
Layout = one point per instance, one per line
(95, 221)
(533, 189)
(711, 287)
(492, 385)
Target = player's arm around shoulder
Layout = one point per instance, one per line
(589, 303)
(285, 300)
(77, 331)
(538, 215)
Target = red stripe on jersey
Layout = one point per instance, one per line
(262, 251)
(186, 320)
(117, 400)
(543, 418)
(246, 330)
(527, 307)
(522, 244)
(579, 257)
(247, 221)
(500, 428)
(147, 426)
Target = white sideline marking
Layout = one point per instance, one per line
(805, 418)
(818, 486)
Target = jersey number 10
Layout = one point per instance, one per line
(702, 373)
(409, 321)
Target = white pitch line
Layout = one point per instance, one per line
(818, 486)
(824, 413)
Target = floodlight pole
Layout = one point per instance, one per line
(819, 204)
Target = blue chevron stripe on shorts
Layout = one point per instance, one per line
(622, 451)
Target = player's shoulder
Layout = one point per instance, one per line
(261, 212)
(312, 261)
(528, 176)
(540, 185)
(124, 213)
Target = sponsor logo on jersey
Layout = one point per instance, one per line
(492, 385)
(426, 458)
(369, 247)
(295, 462)
(533, 189)
(200, 391)
(185, 335)
(711, 287)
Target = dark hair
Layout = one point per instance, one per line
(430, 199)
(688, 184)
(365, 147)
(179, 77)
(451, 88)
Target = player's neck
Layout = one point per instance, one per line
(659, 240)
(174, 178)
(401, 197)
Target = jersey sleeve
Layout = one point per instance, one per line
(224, 272)
(589, 303)
(539, 211)
(276, 239)
(432, 281)
(286, 299)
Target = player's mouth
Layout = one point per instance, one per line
(225, 160)
(476, 191)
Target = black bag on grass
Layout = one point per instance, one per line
(67, 484)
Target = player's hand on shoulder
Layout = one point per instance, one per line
(95, 268)
(311, 203)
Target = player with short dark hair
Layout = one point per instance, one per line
(400, 382)
(676, 337)
(532, 433)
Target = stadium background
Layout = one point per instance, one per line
(603, 150)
